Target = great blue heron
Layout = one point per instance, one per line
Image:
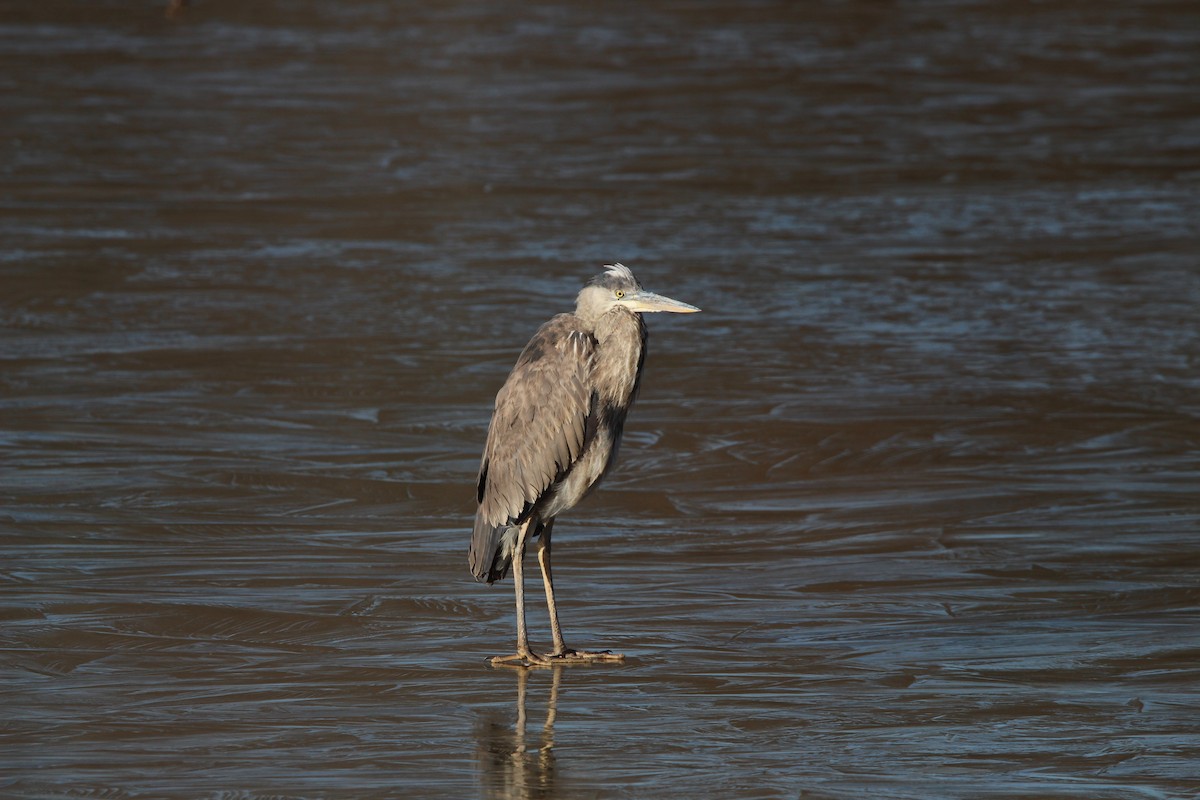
(554, 435)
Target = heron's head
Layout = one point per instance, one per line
(617, 287)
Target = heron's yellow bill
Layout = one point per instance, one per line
(648, 302)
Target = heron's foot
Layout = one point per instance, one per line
(522, 659)
(568, 656)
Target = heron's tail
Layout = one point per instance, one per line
(491, 550)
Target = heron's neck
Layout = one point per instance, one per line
(621, 345)
(618, 321)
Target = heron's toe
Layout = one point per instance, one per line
(522, 660)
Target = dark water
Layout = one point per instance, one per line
(911, 510)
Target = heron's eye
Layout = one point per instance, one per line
(619, 293)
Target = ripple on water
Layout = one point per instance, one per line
(909, 511)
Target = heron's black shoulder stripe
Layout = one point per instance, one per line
(593, 420)
(483, 474)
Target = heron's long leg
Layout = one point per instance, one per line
(519, 581)
(543, 554)
(560, 648)
(523, 655)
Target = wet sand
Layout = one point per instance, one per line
(910, 510)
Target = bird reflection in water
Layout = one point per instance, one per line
(513, 765)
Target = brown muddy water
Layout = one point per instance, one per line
(912, 510)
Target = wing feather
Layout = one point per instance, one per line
(536, 434)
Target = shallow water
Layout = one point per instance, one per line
(909, 511)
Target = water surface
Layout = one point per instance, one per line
(909, 511)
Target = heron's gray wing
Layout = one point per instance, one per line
(537, 432)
